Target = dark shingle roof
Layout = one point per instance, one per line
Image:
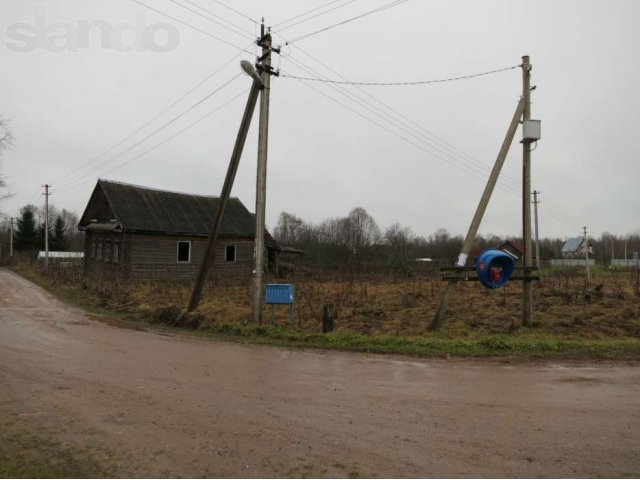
(142, 209)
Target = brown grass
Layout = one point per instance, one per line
(387, 305)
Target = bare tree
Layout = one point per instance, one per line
(289, 229)
(6, 141)
(362, 230)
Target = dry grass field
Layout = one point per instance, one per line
(385, 305)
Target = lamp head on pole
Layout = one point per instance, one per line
(250, 70)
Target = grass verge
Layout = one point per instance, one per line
(450, 341)
(25, 454)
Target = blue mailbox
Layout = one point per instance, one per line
(494, 268)
(279, 294)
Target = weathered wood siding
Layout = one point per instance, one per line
(156, 257)
(107, 253)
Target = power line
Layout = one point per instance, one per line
(406, 121)
(317, 15)
(362, 15)
(156, 146)
(204, 32)
(243, 35)
(419, 82)
(459, 163)
(157, 130)
(438, 154)
(236, 11)
(305, 13)
(70, 176)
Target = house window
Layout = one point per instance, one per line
(184, 252)
(107, 252)
(230, 253)
(92, 253)
(116, 252)
(99, 251)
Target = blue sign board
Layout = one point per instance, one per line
(279, 294)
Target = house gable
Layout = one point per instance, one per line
(98, 209)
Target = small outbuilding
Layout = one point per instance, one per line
(144, 233)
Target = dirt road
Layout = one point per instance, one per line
(160, 405)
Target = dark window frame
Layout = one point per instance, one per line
(188, 242)
(235, 253)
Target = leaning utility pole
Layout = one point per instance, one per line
(535, 214)
(264, 66)
(46, 225)
(477, 217)
(209, 256)
(527, 286)
(11, 238)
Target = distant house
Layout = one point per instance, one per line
(144, 233)
(575, 247)
(514, 248)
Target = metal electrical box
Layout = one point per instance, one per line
(531, 131)
(279, 294)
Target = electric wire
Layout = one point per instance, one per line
(362, 15)
(70, 176)
(434, 149)
(407, 122)
(237, 12)
(429, 149)
(386, 84)
(157, 130)
(204, 32)
(304, 20)
(243, 35)
(158, 145)
(306, 12)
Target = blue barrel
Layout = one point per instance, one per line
(494, 268)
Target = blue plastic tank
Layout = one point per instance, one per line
(494, 268)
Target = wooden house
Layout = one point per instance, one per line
(143, 233)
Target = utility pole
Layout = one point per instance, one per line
(11, 238)
(586, 254)
(46, 225)
(477, 217)
(209, 256)
(535, 214)
(527, 287)
(612, 250)
(264, 66)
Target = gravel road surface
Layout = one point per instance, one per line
(158, 405)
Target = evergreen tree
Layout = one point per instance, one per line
(59, 240)
(40, 240)
(26, 236)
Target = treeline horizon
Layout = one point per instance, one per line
(356, 239)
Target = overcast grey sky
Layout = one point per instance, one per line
(68, 107)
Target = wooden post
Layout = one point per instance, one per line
(527, 285)
(261, 181)
(535, 216)
(46, 226)
(477, 218)
(11, 240)
(210, 253)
